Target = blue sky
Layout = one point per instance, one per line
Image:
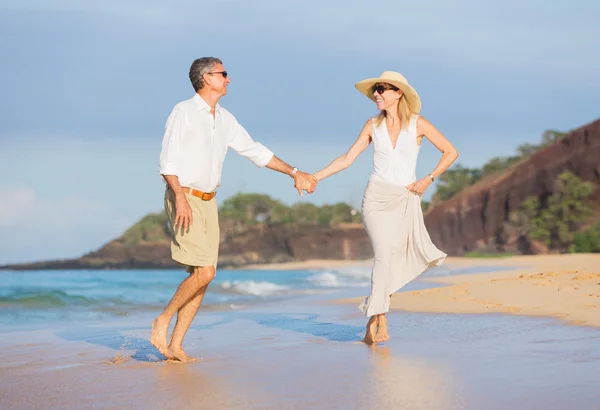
(87, 87)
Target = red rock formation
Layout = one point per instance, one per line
(474, 219)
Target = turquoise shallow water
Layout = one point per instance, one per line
(64, 295)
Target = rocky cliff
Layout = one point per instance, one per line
(260, 243)
(475, 218)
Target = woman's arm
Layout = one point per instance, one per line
(343, 162)
(449, 154)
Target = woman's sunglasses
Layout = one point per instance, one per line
(380, 89)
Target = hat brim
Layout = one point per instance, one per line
(414, 101)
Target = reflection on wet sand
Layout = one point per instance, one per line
(187, 386)
(408, 382)
(190, 386)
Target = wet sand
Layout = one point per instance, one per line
(561, 286)
(305, 354)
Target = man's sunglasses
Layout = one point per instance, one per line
(380, 89)
(223, 73)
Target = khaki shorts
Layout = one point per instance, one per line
(199, 245)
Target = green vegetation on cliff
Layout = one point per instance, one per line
(256, 208)
(151, 228)
(458, 177)
(249, 209)
(588, 240)
(556, 220)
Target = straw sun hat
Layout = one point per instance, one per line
(396, 79)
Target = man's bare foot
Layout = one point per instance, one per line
(382, 334)
(158, 336)
(371, 330)
(177, 353)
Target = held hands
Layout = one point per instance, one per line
(419, 187)
(304, 181)
(313, 184)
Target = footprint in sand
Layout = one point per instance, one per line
(587, 276)
(460, 291)
(543, 275)
(546, 282)
(119, 359)
(493, 305)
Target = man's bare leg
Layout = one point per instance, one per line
(382, 329)
(371, 330)
(185, 316)
(190, 286)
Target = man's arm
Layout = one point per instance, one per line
(241, 142)
(168, 165)
(175, 128)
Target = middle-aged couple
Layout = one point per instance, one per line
(197, 135)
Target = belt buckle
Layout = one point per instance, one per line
(206, 196)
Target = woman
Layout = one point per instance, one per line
(391, 205)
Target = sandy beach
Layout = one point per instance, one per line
(561, 286)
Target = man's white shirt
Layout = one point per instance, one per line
(196, 142)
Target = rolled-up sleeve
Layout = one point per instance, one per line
(175, 129)
(242, 143)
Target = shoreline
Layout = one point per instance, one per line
(336, 263)
(309, 264)
(566, 287)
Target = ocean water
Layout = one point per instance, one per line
(64, 295)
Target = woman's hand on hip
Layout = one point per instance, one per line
(419, 187)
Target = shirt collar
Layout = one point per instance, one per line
(202, 104)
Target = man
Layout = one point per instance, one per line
(197, 135)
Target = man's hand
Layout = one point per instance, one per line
(183, 212)
(419, 187)
(304, 181)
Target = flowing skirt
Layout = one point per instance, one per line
(403, 249)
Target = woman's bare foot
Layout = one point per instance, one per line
(371, 330)
(382, 329)
(158, 336)
(177, 353)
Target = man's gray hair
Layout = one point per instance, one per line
(200, 67)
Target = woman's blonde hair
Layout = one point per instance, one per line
(404, 113)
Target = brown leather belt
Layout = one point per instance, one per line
(205, 196)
